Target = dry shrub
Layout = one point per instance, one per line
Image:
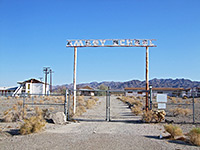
(47, 98)
(56, 100)
(139, 97)
(173, 101)
(147, 116)
(185, 97)
(137, 103)
(80, 110)
(136, 110)
(90, 103)
(81, 101)
(41, 102)
(168, 97)
(173, 130)
(30, 109)
(179, 101)
(20, 102)
(51, 108)
(195, 100)
(180, 111)
(194, 136)
(155, 105)
(159, 115)
(187, 102)
(14, 115)
(32, 125)
(9, 97)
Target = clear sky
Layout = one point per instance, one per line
(33, 34)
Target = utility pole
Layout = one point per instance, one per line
(51, 71)
(147, 77)
(74, 80)
(46, 71)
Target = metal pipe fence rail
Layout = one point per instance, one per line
(58, 102)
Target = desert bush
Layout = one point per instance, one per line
(185, 97)
(139, 97)
(136, 110)
(90, 103)
(194, 136)
(81, 101)
(51, 108)
(187, 102)
(159, 115)
(174, 101)
(155, 105)
(15, 114)
(180, 111)
(80, 110)
(179, 101)
(173, 130)
(32, 125)
(41, 102)
(147, 116)
(20, 102)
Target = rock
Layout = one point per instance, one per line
(59, 118)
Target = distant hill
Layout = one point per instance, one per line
(173, 83)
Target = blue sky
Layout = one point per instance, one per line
(33, 34)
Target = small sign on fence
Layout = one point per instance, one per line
(162, 100)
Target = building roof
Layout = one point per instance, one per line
(31, 81)
(8, 88)
(155, 89)
(86, 88)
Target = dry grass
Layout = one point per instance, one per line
(90, 103)
(173, 130)
(179, 101)
(136, 110)
(181, 111)
(187, 102)
(41, 102)
(81, 101)
(20, 102)
(80, 110)
(51, 108)
(32, 125)
(173, 101)
(131, 100)
(194, 136)
(147, 116)
(13, 115)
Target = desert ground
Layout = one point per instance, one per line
(90, 130)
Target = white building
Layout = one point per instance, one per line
(32, 86)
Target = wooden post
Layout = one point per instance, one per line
(147, 76)
(74, 81)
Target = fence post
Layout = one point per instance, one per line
(150, 92)
(65, 104)
(193, 105)
(108, 105)
(68, 105)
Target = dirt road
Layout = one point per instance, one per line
(93, 132)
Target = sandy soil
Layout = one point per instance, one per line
(125, 131)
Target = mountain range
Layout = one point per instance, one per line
(172, 83)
